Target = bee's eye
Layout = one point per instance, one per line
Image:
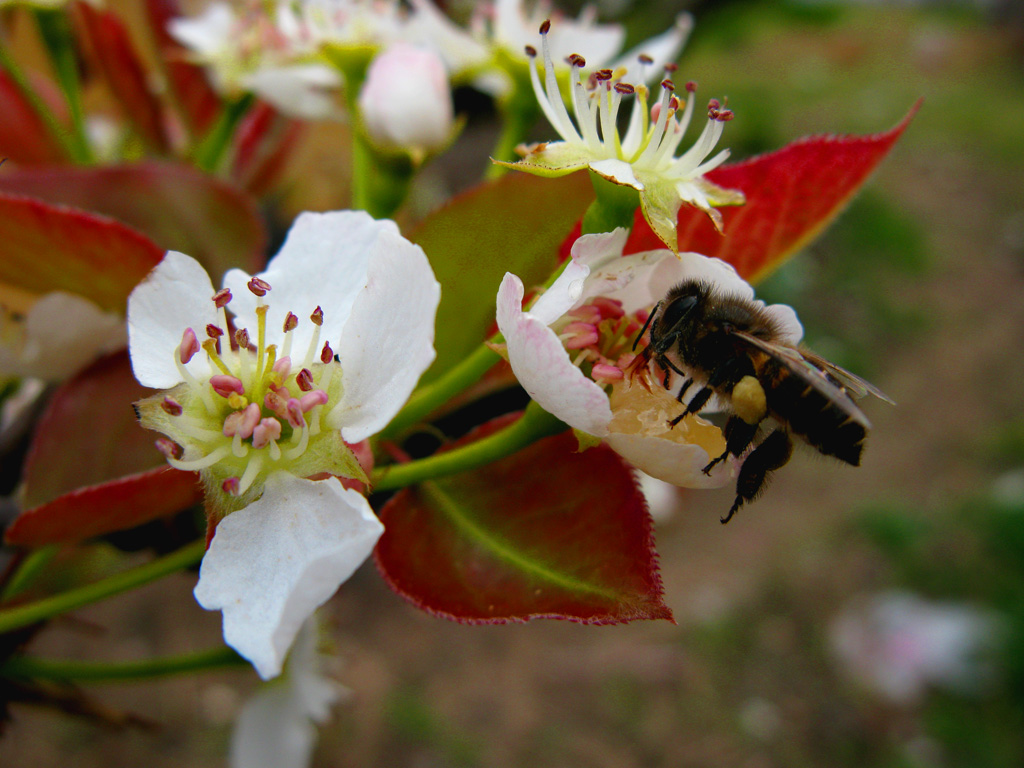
(676, 311)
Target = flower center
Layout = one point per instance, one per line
(602, 335)
(259, 409)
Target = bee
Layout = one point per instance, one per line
(733, 348)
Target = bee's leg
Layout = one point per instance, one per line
(773, 452)
(682, 391)
(738, 435)
(697, 402)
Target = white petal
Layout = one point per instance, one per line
(303, 90)
(543, 367)
(60, 334)
(664, 49)
(207, 33)
(429, 26)
(273, 563)
(388, 341)
(617, 171)
(677, 463)
(323, 263)
(275, 727)
(572, 287)
(176, 295)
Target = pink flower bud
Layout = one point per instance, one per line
(405, 101)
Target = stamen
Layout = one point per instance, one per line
(304, 380)
(252, 470)
(189, 346)
(201, 463)
(169, 448)
(225, 385)
(230, 486)
(258, 286)
(312, 399)
(221, 298)
(300, 447)
(326, 354)
(211, 352)
(171, 406)
(266, 431)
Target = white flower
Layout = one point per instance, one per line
(571, 349)
(405, 101)
(490, 52)
(259, 410)
(58, 335)
(262, 52)
(276, 727)
(899, 644)
(644, 158)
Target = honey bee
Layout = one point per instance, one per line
(732, 347)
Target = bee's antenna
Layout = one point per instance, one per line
(646, 323)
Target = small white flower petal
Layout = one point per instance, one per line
(677, 463)
(388, 341)
(663, 49)
(301, 90)
(61, 333)
(617, 171)
(543, 367)
(323, 262)
(273, 563)
(176, 295)
(275, 727)
(208, 33)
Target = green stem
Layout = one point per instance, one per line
(58, 131)
(380, 180)
(27, 571)
(55, 31)
(534, 424)
(102, 672)
(210, 152)
(24, 615)
(614, 206)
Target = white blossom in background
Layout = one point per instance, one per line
(328, 344)
(572, 349)
(499, 31)
(405, 101)
(277, 726)
(256, 48)
(644, 157)
(56, 336)
(899, 644)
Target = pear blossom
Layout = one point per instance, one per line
(56, 336)
(256, 50)
(573, 348)
(405, 102)
(489, 53)
(277, 726)
(644, 158)
(320, 351)
(899, 644)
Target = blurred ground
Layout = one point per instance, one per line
(920, 287)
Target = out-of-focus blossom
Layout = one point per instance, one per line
(490, 52)
(277, 726)
(258, 49)
(56, 336)
(644, 158)
(265, 406)
(572, 349)
(405, 102)
(899, 644)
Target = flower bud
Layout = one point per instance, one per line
(405, 101)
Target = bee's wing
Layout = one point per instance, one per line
(825, 377)
(850, 381)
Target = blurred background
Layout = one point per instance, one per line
(850, 617)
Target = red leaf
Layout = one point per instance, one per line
(197, 101)
(46, 248)
(263, 143)
(88, 434)
(180, 208)
(125, 73)
(107, 507)
(545, 533)
(24, 136)
(792, 195)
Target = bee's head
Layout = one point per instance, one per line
(677, 310)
